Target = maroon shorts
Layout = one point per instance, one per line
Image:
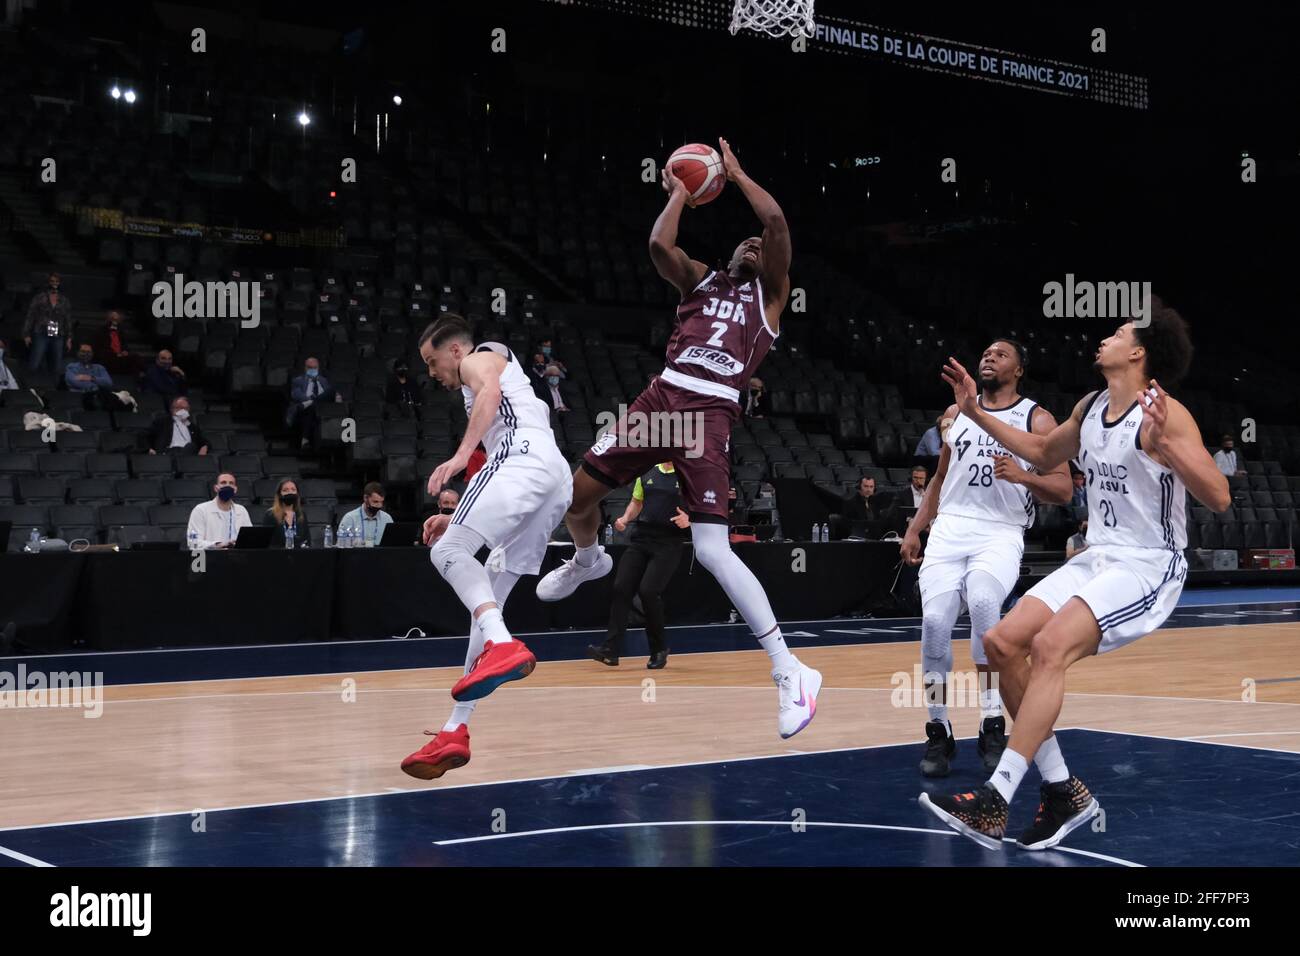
(667, 423)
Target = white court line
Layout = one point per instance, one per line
(23, 857)
(1190, 740)
(1195, 700)
(1257, 733)
(752, 823)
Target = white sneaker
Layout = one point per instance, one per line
(565, 579)
(798, 691)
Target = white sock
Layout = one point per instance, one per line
(782, 659)
(1050, 762)
(990, 700)
(460, 715)
(1011, 770)
(586, 557)
(494, 626)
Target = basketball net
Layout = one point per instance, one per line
(774, 17)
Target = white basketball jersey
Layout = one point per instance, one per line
(1132, 501)
(969, 489)
(520, 406)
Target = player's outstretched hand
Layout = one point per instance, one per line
(681, 519)
(963, 386)
(672, 184)
(730, 165)
(1156, 408)
(444, 473)
(434, 526)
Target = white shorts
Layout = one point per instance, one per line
(516, 500)
(959, 545)
(1130, 591)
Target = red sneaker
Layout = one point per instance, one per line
(497, 664)
(448, 750)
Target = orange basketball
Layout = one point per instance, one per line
(699, 167)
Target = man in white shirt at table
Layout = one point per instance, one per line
(216, 523)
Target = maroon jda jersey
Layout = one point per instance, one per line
(720, 338)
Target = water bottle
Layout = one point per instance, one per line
(816, 532)
(192, 539)
(34, 542)
(288, 537)
(345, 538)
(826, 531)
(609, 534)
(329, 536)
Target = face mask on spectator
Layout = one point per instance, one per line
(84, 358)
(546, 350)
(164, 363)
(183, 414)
(226, 493)
(290, 499)
(313, 372)
(371, 512)
(447, 511)
(553, 380)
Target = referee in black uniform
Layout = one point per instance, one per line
(659, 527)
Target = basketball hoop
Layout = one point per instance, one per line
(774, 17)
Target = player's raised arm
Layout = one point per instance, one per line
(776, 233)
(1172, 434)
(1045, 452)
(670, 260)
(1049, 486)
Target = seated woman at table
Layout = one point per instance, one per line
(287, 511)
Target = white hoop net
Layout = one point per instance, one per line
(776, 18)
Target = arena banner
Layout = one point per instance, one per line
(118, 221)
(936, 54)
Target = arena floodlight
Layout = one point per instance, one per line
(115, 92)
(397, 100)
(303, 119)
(129, 96)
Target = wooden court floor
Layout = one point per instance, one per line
(184, 746)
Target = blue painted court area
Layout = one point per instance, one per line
(1207, 608)
(1166, 803)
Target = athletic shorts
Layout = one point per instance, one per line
(1130, 591)
(650, 434)
(959, 545)
(517, 499)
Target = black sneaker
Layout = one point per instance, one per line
(992, 741)
(603, 653)
(940, 747)
(1063, 807)
(980, 815)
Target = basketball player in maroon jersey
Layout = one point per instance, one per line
(725, 324)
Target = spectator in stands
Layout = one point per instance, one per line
(369, 521)
(306, 390)
(928, 448)
(1079, 496)
(865, 504)
(448, 499)
(177, 433)
(1226, 458)
(165, 379)
(47, 330)
(91, 381)
(757, 402)
(537, 370)
(555, 393)
(216, 523)
(401, 389)
(110, 345)
(287, 511)
(1078, 541)
(920, 475)
(548, 354)
(8, 380)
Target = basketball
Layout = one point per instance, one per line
(699, 167)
